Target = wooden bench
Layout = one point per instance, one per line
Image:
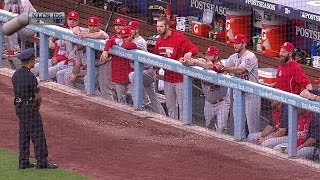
(147, 29)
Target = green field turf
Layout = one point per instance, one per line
(9, 170)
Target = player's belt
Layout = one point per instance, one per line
(215, 102)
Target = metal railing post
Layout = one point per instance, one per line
(292, 128)
(44, 57)
(1, 45)
(138, 85)
(239, 114)
(90, 71)
(187, 99)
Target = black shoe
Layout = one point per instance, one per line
(30, 165)
(47, 166)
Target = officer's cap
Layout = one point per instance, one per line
(26, 54)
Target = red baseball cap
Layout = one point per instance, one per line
(134, 25)
(93, 21)
(212, 50)
(317, 81)
(73, 15)
(125, 32)
(240, 38)
(120, 21)
(288, 47)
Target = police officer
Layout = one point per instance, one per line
(27, 104)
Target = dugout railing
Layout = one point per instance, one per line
(239, 86)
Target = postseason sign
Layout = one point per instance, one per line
(42, 18)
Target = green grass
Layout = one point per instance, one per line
(9, 170)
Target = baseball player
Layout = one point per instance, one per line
(244, 64)
(271, 135)
(308, 132)
(174, 45)
(290, 77)
(120, 67)
(102, 69)
(150, 99)
(215, 96)
(66, 48)
(59, 55)
(76, 77)
(66, 66)
(17, 7)
(314, 94)
(119, 24)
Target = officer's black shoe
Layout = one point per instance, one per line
(30, 165)
(47, 166)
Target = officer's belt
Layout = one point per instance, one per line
(18, 100)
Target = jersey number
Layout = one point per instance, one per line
(244, 76)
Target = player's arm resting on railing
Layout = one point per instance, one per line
(188, 47)
(234, 70)
(94, 35)
(76, 30)
(312, 95)
(109, 43)
(196, 62)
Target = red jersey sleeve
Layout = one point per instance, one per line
(300, 77)
(189, 46)
(109, 44)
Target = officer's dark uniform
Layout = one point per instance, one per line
(25, 85)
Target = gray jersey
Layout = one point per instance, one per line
(81, 57)
(71, 49)
(212, 92)
(142, 45)
(249, 61)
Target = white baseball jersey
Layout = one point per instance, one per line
(62, 46)
(249, 61)
(87, 30)
(142, 45)
(18, 6)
